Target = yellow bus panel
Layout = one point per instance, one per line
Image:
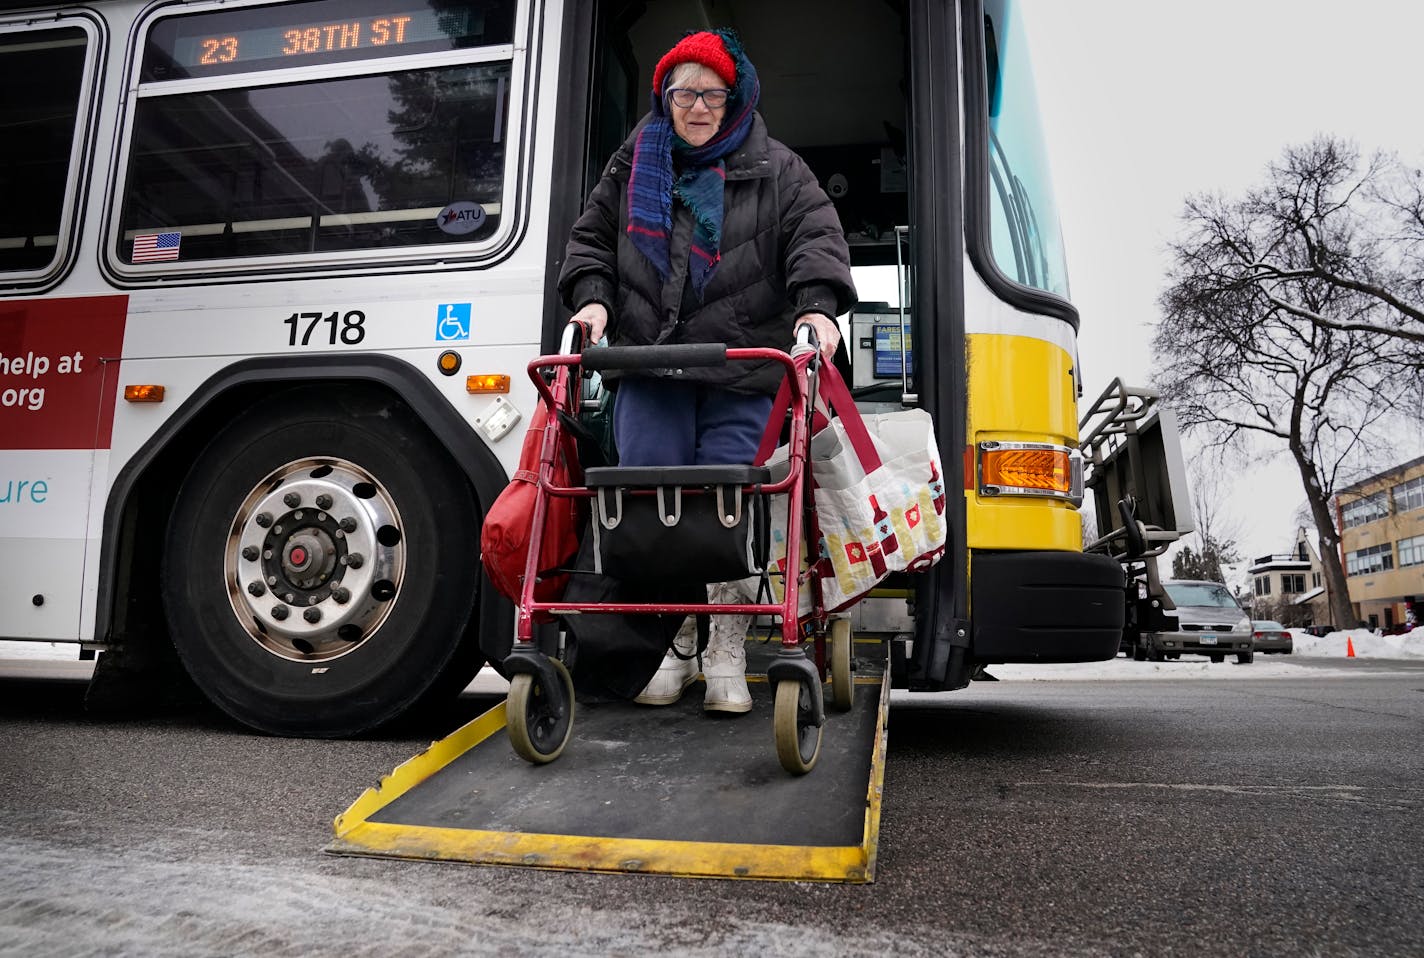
(1021, 389)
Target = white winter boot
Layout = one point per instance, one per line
(724, 664)
(675, 673)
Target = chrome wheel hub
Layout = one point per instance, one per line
(315, 559)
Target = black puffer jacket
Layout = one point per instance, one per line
(783, 255)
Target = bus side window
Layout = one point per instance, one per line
(41, 72)
(240, 151)
(341, 164)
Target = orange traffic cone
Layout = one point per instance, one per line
(1349, 648)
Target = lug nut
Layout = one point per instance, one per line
(264, 519)
(348, 524)
(292, 500)
(297, 516)
(289, 598)
(321, 517)
(341, 594)
(312, 615)
(271, 580)
(250, 553)
(267, 554)
(276, 530)
(279, 612)
(354, 559)
(312, 600)
(256, 588)
(323, 501)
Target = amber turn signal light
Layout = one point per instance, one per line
(1047, 469)
(488, 383)
(145, 393)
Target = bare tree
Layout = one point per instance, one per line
(1285, 319)
(1282, 610)
(1216, 534)
(1332, 217)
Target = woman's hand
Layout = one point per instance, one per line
(595, 317)
(827, 332)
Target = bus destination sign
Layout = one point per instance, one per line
(281, 46)
(247, 39)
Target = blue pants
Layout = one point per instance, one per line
(661, 422)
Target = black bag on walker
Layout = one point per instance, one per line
(617, 655)
(678, 524)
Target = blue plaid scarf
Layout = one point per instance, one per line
(651, 186)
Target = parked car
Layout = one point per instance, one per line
(1320, 629)
(1209, 622)
(1268, 636)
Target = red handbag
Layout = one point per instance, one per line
(508, 528)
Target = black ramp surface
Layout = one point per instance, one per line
(663, 773)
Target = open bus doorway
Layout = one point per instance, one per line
(834, 88)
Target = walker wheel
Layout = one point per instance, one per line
(798, 742)
(842, 678)
(540, 719)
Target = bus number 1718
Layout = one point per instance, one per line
(349, 328)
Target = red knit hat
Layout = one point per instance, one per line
(705, 48)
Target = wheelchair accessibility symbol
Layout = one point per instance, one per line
(452, 321)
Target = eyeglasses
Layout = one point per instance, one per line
(684, 98)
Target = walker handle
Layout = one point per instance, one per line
(655, 357)
(575, 335)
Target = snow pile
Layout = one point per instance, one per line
(1189, 666)
(1367, 645)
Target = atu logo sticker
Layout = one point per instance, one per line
(459, 219)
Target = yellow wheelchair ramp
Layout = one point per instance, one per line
(670, 790)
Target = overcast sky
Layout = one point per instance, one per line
(1145, 102)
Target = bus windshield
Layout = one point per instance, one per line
(1025, 236)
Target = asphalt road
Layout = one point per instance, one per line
(1209, 817)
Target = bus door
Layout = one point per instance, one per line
(58, 366)
(867, 95)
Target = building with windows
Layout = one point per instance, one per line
(1381, 521)
(1290, 586)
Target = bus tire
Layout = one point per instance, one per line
(320, 573)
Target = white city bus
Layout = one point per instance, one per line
(271, 273)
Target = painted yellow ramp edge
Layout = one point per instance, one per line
(356, 835)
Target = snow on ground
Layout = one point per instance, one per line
(45, 657)
(1334, 646)
(1367, 645)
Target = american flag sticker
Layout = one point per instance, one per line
(152, 247)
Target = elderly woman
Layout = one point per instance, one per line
(703, 229)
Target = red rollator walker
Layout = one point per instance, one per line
(686, 524)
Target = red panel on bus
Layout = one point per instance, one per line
(59, 371)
